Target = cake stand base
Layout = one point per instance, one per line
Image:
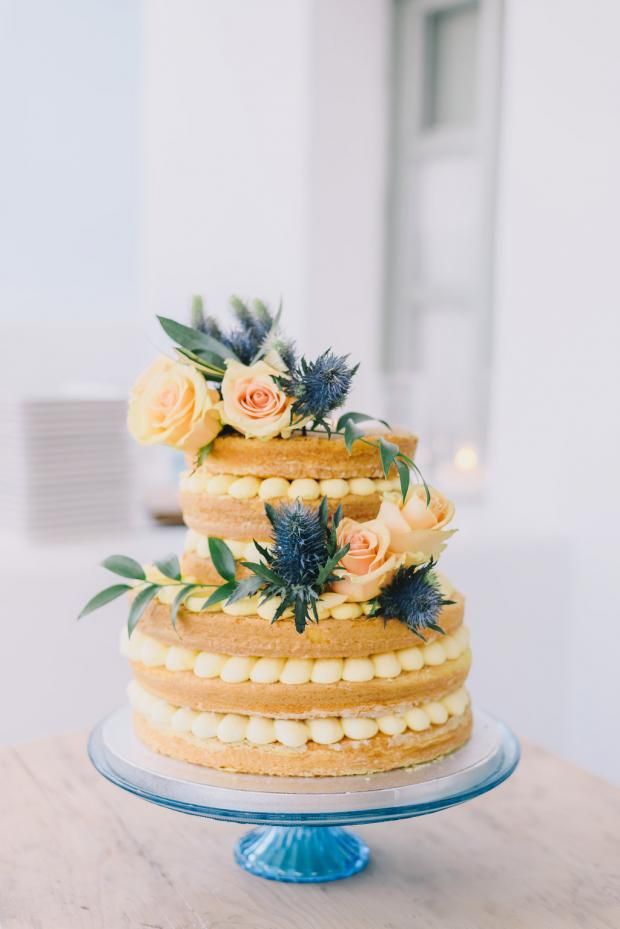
(301, 854)
(300, 839)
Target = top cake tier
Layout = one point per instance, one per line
(225, 495)
(300, 456)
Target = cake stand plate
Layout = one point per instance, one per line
(300, 836)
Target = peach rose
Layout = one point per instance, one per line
(252, 402)
(417, 530)
(368, 564)
(171, 404)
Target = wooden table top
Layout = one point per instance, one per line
(542, 852)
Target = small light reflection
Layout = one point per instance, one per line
(466, 458)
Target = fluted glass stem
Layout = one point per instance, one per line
(301, 854)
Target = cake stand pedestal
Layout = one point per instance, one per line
(300, 836)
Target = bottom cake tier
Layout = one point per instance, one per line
(333, 746)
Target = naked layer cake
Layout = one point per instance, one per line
(305, 629)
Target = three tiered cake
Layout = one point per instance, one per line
(305, 629)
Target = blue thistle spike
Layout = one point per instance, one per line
(319, 387)
(301, 561)
(254, 327)
(300, 543)
(413, 596)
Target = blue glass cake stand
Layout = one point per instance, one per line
(300, 836)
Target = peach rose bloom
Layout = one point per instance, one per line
(252, 402)
(418, 529)
(368, 564)
(171, 404)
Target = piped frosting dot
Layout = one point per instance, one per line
(417, 719)
(296, 671)
(273, 487)
(237, 669)
(386, 665)
(291, 732)
(180, 659)
(437, 713)
(392, 725)
(359, 728)
(325, 731)
(260, 731)
(232, 728)
(358, 670)
(304, 488)
(208, 664)
(244, 488)
(205, 725)
(267, 670)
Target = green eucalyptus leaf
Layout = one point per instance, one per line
(126, 567)
(246, 588)
(212, 372)
(264, 552)
(358, 418)
(301, 615)
(264, 572)
(405, 477)
(413, 467)
(103, 597)
(352, 432)
(323, 513)
(178, 600)
(388, 452)
(194, 340)
(222, 558)
(271, 513)
(220, 593)
(330, 565)
(138, 606)
(170, 567)
(282, 606)
(203, 453)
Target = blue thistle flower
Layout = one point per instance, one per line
(300, 543)
(320, 386)
(412, 596)
(301, 561)
(256, 326)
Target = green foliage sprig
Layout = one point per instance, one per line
(297, 568)
(353, 427)
(207, 346)
(124, 566)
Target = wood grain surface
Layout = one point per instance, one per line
(542, 852)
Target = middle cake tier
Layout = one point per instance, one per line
(228, 664)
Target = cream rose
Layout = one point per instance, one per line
(252, 402)
(171, 404)
(368, 564)
(418, 530)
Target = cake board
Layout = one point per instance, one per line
(300, 836)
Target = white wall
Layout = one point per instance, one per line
(226, 86)
(555, 444)
(349, 119)
(69, 189)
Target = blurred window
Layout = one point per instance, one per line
(440, 254)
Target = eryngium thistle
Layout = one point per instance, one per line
(413, 596)
(320, 386)
(302, 560)
(255, 332)
(300, 544)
